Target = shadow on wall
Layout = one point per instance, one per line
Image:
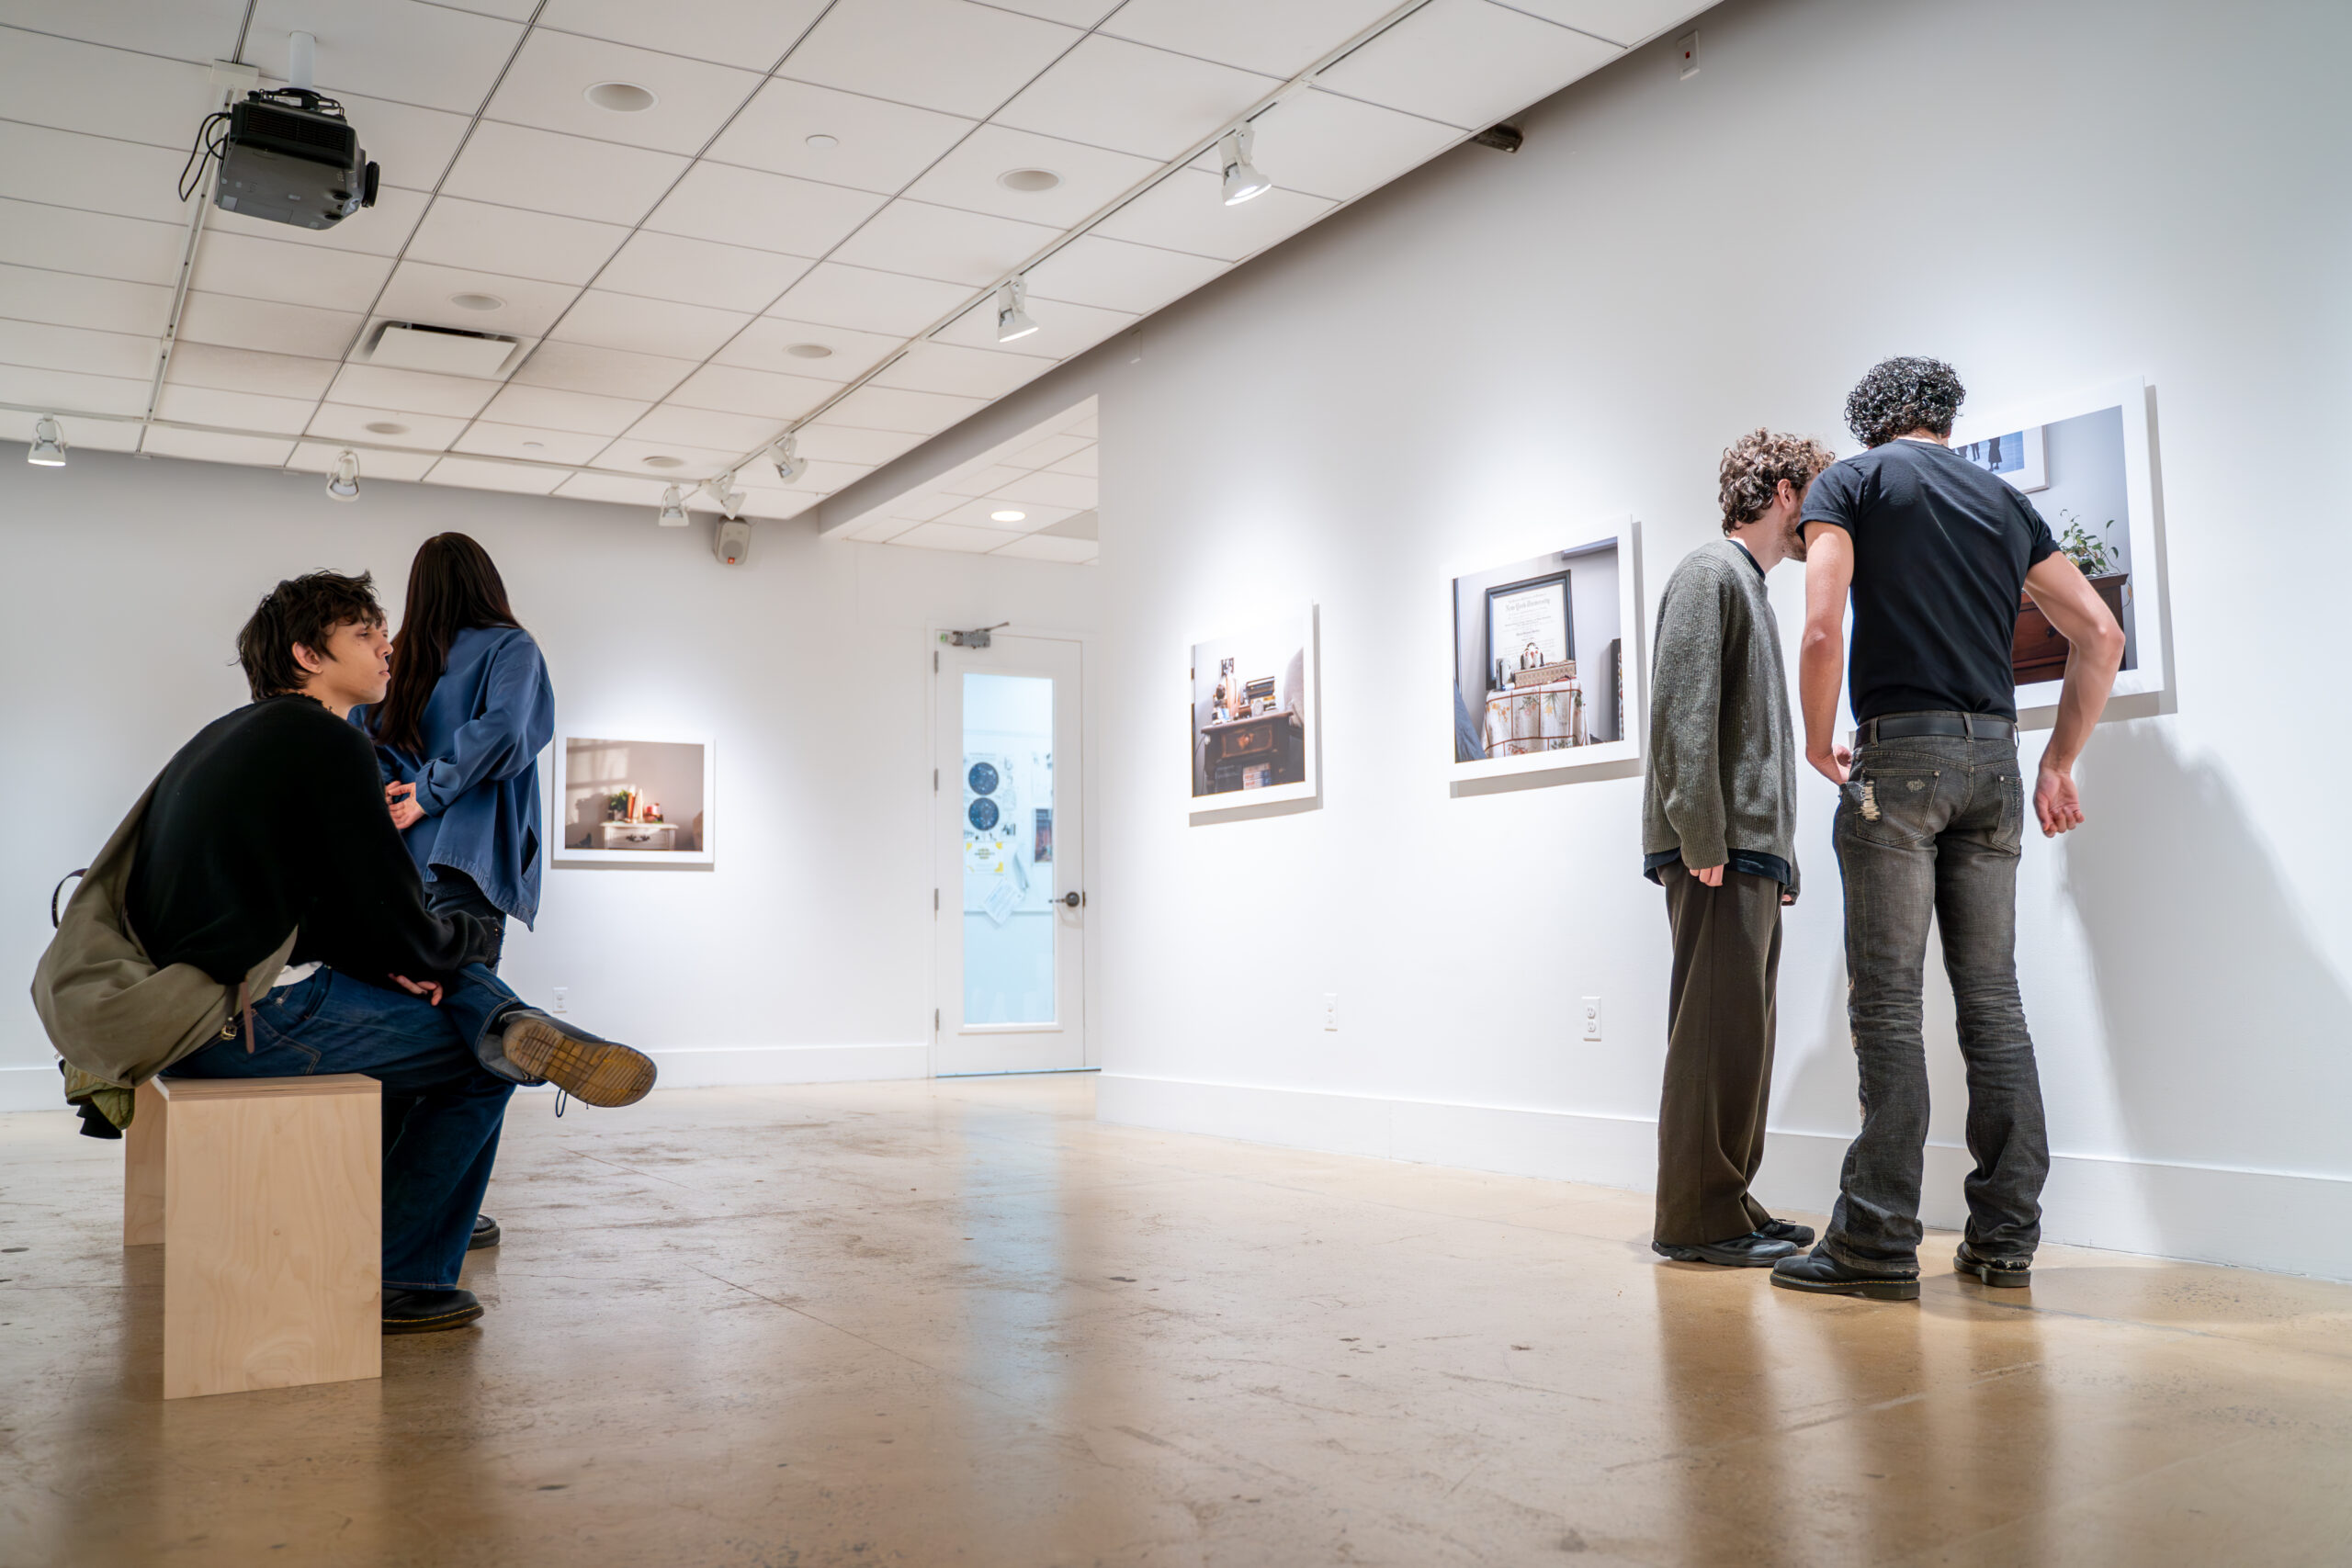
(2227, 1026)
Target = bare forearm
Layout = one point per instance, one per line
(2090, 677)
(1821, 670)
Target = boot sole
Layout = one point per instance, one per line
(1707, 1255)
(594, 1072)
(435, 1324)
(2003, 1279)
(1876, 1289)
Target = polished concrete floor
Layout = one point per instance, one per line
(963, 1324)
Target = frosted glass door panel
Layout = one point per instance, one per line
(1008, 849)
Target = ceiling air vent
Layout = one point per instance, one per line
(450, 351)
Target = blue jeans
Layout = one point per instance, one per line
(1932, 826)
(443, 1107)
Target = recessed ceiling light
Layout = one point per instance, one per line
(1008, 516)
(386, 427)
(621, 97)
(476, 301)
(1028, 179)
(535, 446)
(663, 462)
(810, 351)
(823, 143)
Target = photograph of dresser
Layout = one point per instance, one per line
(1257, 752)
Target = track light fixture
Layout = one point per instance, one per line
(673, 508)
(731, 499)
(48, 450)
(1242, 179)
(790, 464)
(1011, 321)
(344, 483)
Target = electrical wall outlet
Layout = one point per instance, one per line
(1331, 1012)
(1588, 1015)
(562, 995)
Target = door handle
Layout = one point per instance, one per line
(1072, 900)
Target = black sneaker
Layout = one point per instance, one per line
(2012, 1272)
(427, 1311)
(594, 1070)
(1821, 1274)
(485, 1234)
(1754, 1250)
(1787, 1230)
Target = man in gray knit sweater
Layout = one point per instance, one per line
(1719, 834)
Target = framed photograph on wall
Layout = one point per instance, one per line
(1545, 660)
(1254, 707)
(627, 801)
(2089, 453)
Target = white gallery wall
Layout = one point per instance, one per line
(1503, 354)
(804, 952)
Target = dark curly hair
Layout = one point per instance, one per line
(304, 610)
(1754, 466)
(1900, 395)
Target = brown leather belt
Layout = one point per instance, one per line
(1960, 725)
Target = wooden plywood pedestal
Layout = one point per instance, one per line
(272, 1229)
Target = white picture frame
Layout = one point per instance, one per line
(570, 752)
(1568, 765)
(2025, 468)
(1277, 640)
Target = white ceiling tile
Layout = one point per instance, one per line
(91, 244)
(949, 55)
(773, 212)
(876, 530)
(70, 390)
(1088, 462)
(481, 473)
(378, 386)
(948, 537)
(701, 272)
(1075, 13)
(738, 32)
(696, 462)
(1063, 330)
(547, 172)
(780, 506)
(964, 372)
(983, 513)
(485, 237)
(647, 326)
(886, 408)
(878, 145)
(552, 408)
(72, 300)
(843, 444)
(378, 230)
(43, 345)
(200, 30)
(729, 389)
(292, 274)
(866, 300)
(548, 86)
(411, 145)
(1069, 492)
(1091, 177)
(243, 370)
(1186, 211)
(1045, 546)
(613, 488)
(920, 506)
(1091, 426)
(487, 439)
(321, 457)
(606, 372)
(1111, 92)
(402, 50)
(266, 325)
(1622, 22)
(1045, 454)
(350, 421)
(1328, 145)
(1114, 274)
(256, 451)
(1467, 63)
(61, 169)
(706, 428)
(131, 96)
(946, 243)
(513, 10)
(1278, 41)
(422, 291)
(767, 344)
(820, 478)
(977, 481)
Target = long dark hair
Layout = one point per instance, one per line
(452, 586)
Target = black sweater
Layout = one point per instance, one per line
(274, 818)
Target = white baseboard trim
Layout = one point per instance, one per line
(32, 1088)
(2287, 1223)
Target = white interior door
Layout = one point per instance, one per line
(1012, 898)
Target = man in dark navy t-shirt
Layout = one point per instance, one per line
(1936, 552)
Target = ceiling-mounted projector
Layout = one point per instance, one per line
(286, 154)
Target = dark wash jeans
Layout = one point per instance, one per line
(1932, 826)
(443, 1107)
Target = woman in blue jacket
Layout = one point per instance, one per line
(460, 735)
